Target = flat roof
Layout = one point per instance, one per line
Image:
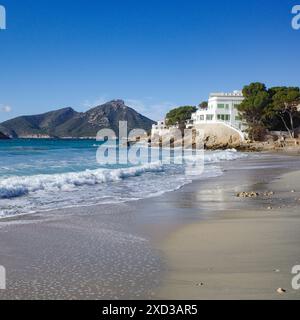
(225, 94)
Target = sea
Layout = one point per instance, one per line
(40, 175)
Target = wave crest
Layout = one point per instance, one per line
(19, 186)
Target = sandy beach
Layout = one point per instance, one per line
(244, 253)
(200, 242)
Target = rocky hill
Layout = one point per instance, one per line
(69, 123)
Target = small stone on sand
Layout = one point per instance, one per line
(252, 194)
(200, 284)
(268, 193)
(281, 290)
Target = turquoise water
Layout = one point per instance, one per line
(43, 156)
(38, 175)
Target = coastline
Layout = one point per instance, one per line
(138, 250)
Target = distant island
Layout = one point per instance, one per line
(68, 123)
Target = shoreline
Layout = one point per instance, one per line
(123, 251)
(291, 146)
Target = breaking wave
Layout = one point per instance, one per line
(20, 186)
(17, 186)
(42, 186)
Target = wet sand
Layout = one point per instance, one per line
(243, 254)
(165, 247)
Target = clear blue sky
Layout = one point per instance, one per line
(155, 54)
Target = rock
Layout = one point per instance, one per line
(276, 270)
(268, 193)
(219, 136)
(247, 194)
(281, 290)
(254, 194)
(293, 191)
(200, 284)
(270, 208)
(3, 136)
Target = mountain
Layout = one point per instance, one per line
(69, 123)
(3, 136)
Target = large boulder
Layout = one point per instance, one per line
(218, 136)
(209, 136)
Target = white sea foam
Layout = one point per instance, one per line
(226, 155)
(44, 192)
(19, 186)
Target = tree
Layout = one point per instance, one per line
(203, 105)
(180, 115)
(285, 105)
(252, 109)
(253, 89)
(277, 108)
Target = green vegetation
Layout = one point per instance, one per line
(203, 105)
(270, 109)
(180, 115)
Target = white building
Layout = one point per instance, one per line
(159, 129)
(222, 108)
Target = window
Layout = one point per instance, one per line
(227, 106)
(201, 117)
(209, 117)
(238, 118)
(224, 117)
(221, 105)
(236, 106)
